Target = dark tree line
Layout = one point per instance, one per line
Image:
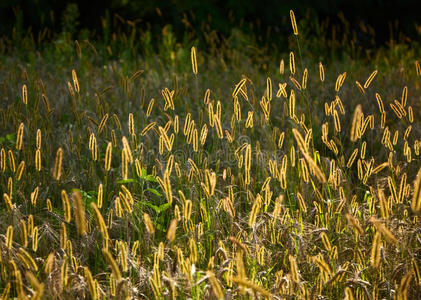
(221, 15)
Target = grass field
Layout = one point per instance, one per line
(218, 170)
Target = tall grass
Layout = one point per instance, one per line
(209, 173)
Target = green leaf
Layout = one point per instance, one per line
(164, 207)
(11, 136)
(159, 226)
(122, 181)
(93, 193)
(153, 191)
(150, 178)
(154, 207)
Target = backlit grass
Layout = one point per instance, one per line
(224, 172)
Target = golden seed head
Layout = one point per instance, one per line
(293, 22)
(79, 212)
(194, 60)
(321, 72)
(58, 164)
(172, 230)
(148, 223)
(75, 81)
(291, 63)
(25, 94)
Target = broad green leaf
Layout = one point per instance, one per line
(154, 207)
(164, 207)
(151, 178)
(153, 191)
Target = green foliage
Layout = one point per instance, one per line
(70, 20)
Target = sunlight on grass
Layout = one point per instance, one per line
(198, 173)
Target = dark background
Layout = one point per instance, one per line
(384, 16)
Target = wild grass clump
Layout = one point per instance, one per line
(195, 174)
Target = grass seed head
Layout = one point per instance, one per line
(293, 22)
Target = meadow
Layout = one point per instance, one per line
(215, 170)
